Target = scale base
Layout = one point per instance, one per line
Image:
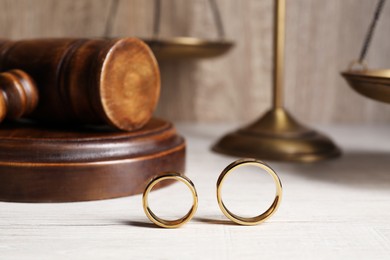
(278, 136)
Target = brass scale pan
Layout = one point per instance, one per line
(179, 47)
(374, 84)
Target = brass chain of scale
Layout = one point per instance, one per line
(113, 9)
(369, 35)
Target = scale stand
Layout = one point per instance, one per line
(277, 135)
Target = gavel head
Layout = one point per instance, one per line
(88, 81)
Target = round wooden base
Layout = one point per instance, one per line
(45, 164)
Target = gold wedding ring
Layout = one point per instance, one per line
(170, 223)
(262, 217)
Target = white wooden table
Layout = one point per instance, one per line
(335, 209)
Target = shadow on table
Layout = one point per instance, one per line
(208, 220)
(369, 170)
(214, 221)
(139, 224)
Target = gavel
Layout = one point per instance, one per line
(79, 81)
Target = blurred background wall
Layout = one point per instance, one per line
(322, 38)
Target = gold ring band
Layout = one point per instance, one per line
(262, 217)
(170, 223)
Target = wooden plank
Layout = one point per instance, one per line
(338, 209)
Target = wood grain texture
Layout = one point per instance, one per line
(322, 38)
(18, 94)
(47, 164)
(89, 81)
(338, 209)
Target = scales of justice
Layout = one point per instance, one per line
(277, 135)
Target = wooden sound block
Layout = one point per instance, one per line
(46, 164)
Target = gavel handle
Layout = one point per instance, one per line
(18, 94)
